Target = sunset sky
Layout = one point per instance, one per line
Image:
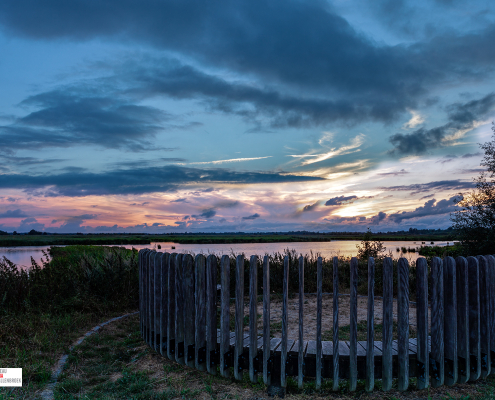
(212, 116)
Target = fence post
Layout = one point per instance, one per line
(200, 302)
(403, 323)
(422, 319)
(353, 326)
(388, 290)
(211, 314)
(462, 281)
(300, 359)
(285, 306)
(266, 320)
(474, 319)
(163, 303)
(239, 315)
(151, 299)
(319, 310)
(335, 323)
(253, 318)
(171, 307)
(158, 298)
(450, 320)
(179, 310)
(485, 294)
(189, 309)
(225, 316)
(141, 298)
(491, 279)
(370, 339)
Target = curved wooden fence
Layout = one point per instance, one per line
(179, 307)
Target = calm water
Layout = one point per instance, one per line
(22, 255)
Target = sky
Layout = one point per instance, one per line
(192, 116)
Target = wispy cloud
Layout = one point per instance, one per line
(416, 119)
(231, 160)
(356, 142)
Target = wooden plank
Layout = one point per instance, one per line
(437, 324)
(319, 311)
(484, 290)
(179, 310)
(211, 313)
(224, 314)
(335, 322)
(353, 325)
(300, 359)
(164, 303)
(491, 279)
(403, 323)
(200, 312)
(158, 298)
(370, 357)
(239, 314)
(474, 319)
(285, 306)
(266, 320)
(388, 292)
(423, 373)
(462, 284)
(253, 317)
(450, 321)
(171, 307)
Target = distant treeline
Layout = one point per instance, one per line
(34, 238)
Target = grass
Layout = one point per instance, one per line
(116, 364)
(44, 310)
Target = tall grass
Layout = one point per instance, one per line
(45, 308)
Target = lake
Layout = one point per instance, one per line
(22, 255)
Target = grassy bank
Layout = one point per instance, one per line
(45, 309)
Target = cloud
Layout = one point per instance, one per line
(430, 186)
(69, 116)
(348, 76)
(138, 181)
(183, 200)
(429, 196)
(431, 207)
(394, 173)
(416, 119)
(375, 220)
(311, 207)
(340, 200)
(232, 160)
(470, 155)
(462, 118)
(227, 204)
(350, 148)
(250, 217)
(18, 213)
(208, 213)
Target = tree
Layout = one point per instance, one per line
(369, 247)
(474, 221)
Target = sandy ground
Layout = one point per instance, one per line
(309, 314)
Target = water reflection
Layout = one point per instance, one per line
(22, 255)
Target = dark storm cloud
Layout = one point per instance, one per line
(175, 80)
(431, 207)
(438, 185)
(338, 201)
(73, 116)
(250, 217)
(311, 207)
(375, 220)
(290, 44)
(136, 181)
(207, 213)
(461, 117)
(13, 214)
